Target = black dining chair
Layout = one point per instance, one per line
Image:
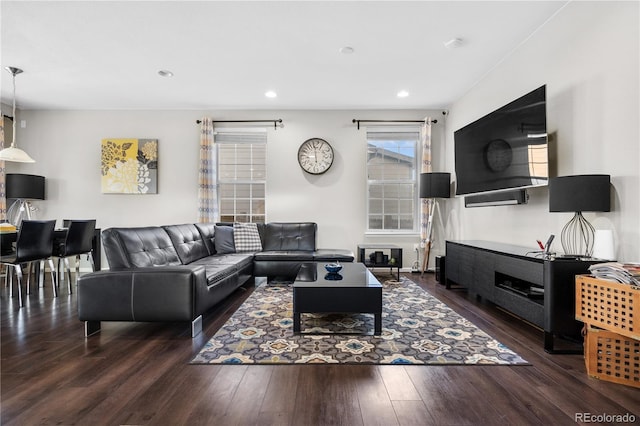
(78, 241)
(34, 243)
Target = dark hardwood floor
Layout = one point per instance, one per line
(138, 374)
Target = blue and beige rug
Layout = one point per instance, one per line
(416, 329)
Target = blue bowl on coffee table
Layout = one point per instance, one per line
(333, 268)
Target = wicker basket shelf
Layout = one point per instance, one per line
(612, 357)
(608, 305)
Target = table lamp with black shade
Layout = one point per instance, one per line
(23, 188)
(578, 194)
(433, 186)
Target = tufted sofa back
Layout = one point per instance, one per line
(183, 244)
(188, 242)
(289, 236)
(138, 247)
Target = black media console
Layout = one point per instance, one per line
(538, 289)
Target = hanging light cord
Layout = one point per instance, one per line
(13, 121)
(14, 71)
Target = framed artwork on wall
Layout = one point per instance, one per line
(129, 166)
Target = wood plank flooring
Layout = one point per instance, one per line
(138, 374)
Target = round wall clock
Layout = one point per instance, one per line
(315, 156)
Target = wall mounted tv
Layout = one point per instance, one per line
(506, 149)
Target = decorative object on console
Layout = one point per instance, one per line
(603, 246)
(129, 166)
(433, 186)
(315, 156)
(23, 188)
(579, 193)
(13, 153)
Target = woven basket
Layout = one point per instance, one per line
(612, 357)
(609, 305)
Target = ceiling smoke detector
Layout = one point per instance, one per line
(454, 43)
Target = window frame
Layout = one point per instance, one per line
(414, 181)
(221, 180)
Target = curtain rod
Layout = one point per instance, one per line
(275, 122)
(389, 121)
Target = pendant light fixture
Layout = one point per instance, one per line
(13, 153)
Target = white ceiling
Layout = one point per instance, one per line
(226, 55)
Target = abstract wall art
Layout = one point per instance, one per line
(129, 166)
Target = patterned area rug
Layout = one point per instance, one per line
(416, 329)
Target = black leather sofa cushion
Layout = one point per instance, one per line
(239, 259)
(143, 247)
(289, 236)
(188, 242)
(284, 255)
(218, 272)
(324, 255)
(225, 265)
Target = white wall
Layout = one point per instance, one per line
(66, 146)
(588, 57)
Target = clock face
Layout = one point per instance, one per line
(315, 156)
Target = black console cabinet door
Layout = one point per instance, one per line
(479, 265)
(453, 262)
(560, 296)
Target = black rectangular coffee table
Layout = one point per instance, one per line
(353, 290)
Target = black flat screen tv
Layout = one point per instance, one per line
(506, 149)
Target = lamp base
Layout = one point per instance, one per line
(577, 237)
(19, 211)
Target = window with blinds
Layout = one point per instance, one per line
(242, 175)
(392, 185)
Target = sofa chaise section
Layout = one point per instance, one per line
(158, 274)
(176, 273)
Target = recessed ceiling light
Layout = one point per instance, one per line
(454, 43)
(403, 94)
(271, 94)
(165, 73)
(346, 50)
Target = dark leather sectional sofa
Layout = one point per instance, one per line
(178, 272)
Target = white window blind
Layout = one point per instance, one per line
(242, 175)
(392, 187)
